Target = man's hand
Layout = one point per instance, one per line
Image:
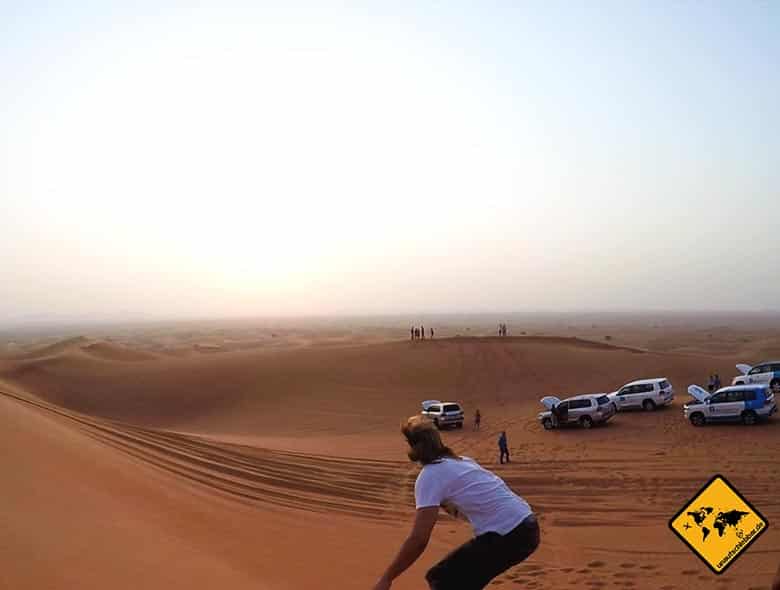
(383, 584)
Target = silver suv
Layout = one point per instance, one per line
(583, 410)
(443, 413)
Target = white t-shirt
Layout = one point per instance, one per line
(483, 497)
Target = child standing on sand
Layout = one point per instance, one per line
(505, 528)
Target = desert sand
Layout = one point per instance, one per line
(270, 458)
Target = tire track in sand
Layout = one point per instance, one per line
(363, 488)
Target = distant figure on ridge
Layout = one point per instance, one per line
(411, 331)
(506, 531)
(431, 333)
(422, 332)
(503, 448)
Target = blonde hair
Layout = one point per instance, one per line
(425, 441)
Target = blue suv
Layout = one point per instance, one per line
(737, 403)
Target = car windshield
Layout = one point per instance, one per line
(603, 399)
(452, 408)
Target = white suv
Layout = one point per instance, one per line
(647, 394)
(766, 372)
(443, 413)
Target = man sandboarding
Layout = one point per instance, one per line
(505, 528)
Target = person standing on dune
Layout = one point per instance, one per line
(503, 448)
(477, 419)
(505, 528)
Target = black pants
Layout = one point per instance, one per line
(473, 565)
(504, 453)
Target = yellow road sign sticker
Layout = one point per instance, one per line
(718, 524)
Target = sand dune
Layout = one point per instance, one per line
(267, 469)
(362, 388)
(114, 352)
(58, 347)
(89, 346)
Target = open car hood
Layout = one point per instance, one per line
(549, 401)
(699, 393)
(743, 368)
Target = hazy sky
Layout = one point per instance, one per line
(257, 158)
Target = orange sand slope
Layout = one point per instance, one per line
(284, 469)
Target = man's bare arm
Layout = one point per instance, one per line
(413, 547)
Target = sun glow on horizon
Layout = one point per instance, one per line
(306, 159)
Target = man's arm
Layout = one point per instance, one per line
(413, 547)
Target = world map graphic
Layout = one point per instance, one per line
(720, 521)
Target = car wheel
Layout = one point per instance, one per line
(586, 422)
(547, 423)
(436, 423)
(648, 405)
(459, 425)
(749, 418)
(697, 419)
